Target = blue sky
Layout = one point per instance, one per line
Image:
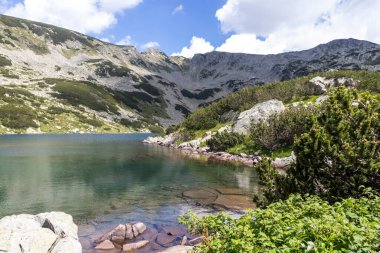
(187, 27)
(155, 20)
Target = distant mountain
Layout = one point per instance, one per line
(76, 70)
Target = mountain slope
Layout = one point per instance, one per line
(148, 87)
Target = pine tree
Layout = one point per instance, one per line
(340, 153)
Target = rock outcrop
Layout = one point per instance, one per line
(53, 232)
(322, 84)
(259, 112)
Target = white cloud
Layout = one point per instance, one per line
(105, 40)
(152, 44)
(84, 15)
(126, 41)
(197, 46)
(289, 25)
(177, 9)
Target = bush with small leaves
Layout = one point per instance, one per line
(223, 141)
(298, 224)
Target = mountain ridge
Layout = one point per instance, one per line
(150, 85)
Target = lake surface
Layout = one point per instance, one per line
(102, 180)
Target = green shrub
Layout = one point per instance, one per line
(171, 129)
(130, 123)
(279, 130)
(4, 61)
(223, 141)
(203, 118)
(92, 122)
(339, 154)
(84, 93)
(17, 117)
(298, 224)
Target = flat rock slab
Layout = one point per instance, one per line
(234, 202)
(201, 196)
(229, 191)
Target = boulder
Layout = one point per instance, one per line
(259, 112)
(138, 228)
(194, 144)
(129, 232)
(121, 233)
(48, 232)
(116, 234)
(322, 84)
(107, 244)
(282, 163)
(177, 249)
(134, 246)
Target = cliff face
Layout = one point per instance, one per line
(151, 86)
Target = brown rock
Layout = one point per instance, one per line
(105, 245)
(129, 232)
(134, 246)
(117, 232)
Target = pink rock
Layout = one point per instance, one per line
(134, 246)
(107, 244)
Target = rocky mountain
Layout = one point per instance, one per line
(99, 83)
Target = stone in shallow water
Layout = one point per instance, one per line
(138, 228)
(107, 244)
(129, 232)
(229, 191)
(115, 234)
(134, 246)
(177, 249)
(234, 202)
(201, 196)
(164, 239)
(172, 230)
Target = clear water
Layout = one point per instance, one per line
(102, 179)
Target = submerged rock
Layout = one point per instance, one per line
(53, 232)
(134, 246)
(234, 202)
(177, 249)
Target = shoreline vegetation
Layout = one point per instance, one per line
(333, 173)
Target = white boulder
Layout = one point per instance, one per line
(49, 232)
(259, 112)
